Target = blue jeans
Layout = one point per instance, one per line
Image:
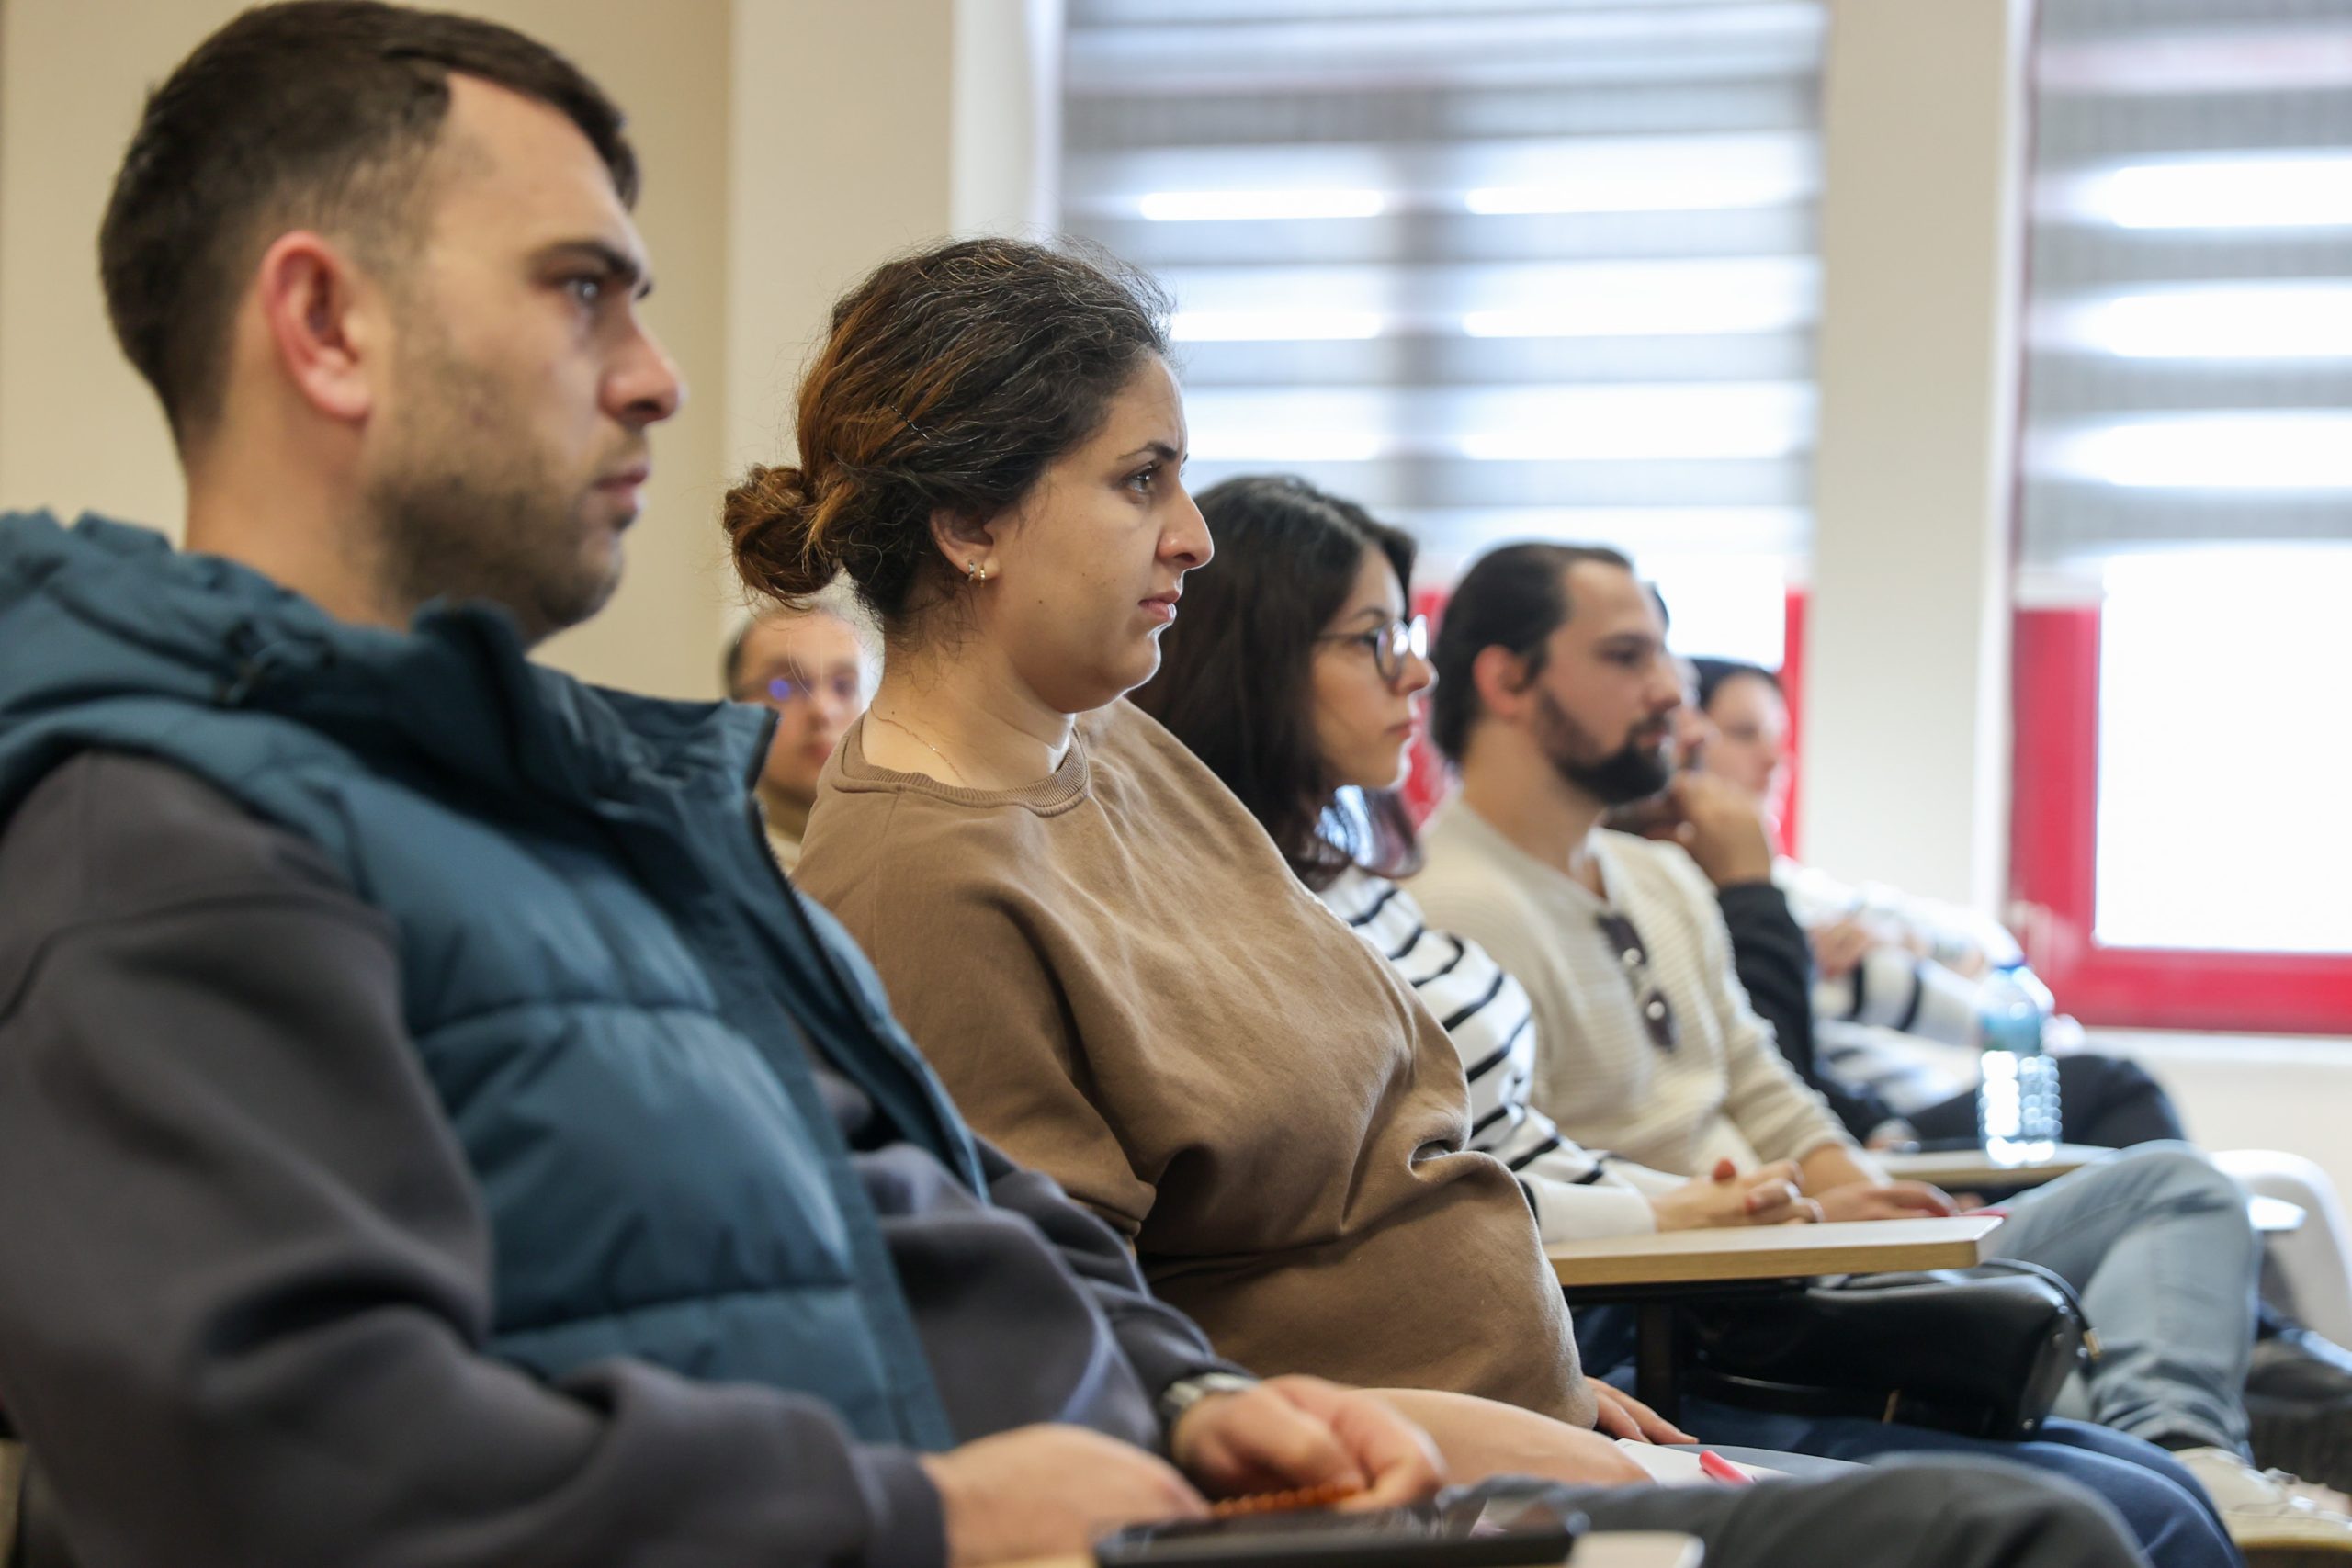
(2168, 1512)
(2157, 1243)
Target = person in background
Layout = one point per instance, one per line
(434, 1134)
(1890, 969)
(1556, 702)
(1096, 943)
(1296, 675)
(809, 667)
(2298, 1385)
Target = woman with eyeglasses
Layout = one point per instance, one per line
(1295, 676)
(809, 668)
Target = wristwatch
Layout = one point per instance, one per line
(1184, 1393)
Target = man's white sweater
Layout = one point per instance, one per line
(1722, 1089)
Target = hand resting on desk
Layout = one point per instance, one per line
(1891, 1200)
(1769, 1195)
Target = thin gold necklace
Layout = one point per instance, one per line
(926, 746)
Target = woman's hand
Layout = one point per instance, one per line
(1767, 1196)
(1891, 1200)
(1622, 1416)
(1480, 1437)
(1839, 948)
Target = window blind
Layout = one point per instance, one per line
(1498, 269)
(2188, 329)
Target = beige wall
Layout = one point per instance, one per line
(78, 429)
(1004, 147)
(1906, 707)
(837, 166)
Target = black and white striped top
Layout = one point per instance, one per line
(1574, 1194)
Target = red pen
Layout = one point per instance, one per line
(1716, 1467)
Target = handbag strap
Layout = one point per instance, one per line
(2058, 1282)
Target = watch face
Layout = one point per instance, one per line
(1185, 1393)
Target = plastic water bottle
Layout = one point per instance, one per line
(2017, 1108)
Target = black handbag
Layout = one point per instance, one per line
(1981, 1351)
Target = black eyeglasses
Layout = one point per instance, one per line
(1391, 645)
(1657, 1013)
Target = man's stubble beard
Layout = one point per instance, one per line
(467, 507)
(1632, 773)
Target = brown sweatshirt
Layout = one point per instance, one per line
(1124, 985)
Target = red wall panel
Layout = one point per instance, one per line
(2053, 841)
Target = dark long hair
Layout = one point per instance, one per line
(1236, 683)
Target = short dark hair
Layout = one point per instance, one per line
(1235, 671)
(1714, 674)
(949, 380)
(1515, 598)
(307, 113)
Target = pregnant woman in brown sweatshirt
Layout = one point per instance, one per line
(1089, 936)
(1096, 943)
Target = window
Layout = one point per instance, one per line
(2186, 510)
(2219, 753)
(1498, 269)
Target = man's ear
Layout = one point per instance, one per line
(968, 545)
(1502, 682)
(327, 345)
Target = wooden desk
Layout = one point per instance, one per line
(1964, 1168)
(1603, 1549)
(1656, 1273)
(1774, 1252)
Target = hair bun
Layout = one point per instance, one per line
(768, 496)
(772, 519)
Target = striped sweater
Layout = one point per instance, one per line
(1575, 1193)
